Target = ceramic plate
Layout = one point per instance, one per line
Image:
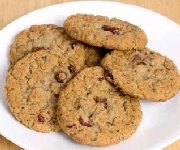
(160, 125)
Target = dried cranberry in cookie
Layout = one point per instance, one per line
(101, 100)
(113, 30)
(72, 68)
(40, 118)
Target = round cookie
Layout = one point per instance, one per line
(104, 32)
(47, 36)
(93, 55)
(33, 85)
(91, 111)
(142, 73)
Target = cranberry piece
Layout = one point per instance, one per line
(113, 30)
(40, 118)
(72, 68)
(101, 100)
(87, 124)
(138, 60)
(71, 126)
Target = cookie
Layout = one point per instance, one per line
(142, 73)
(91, 111)
(33, 85)
(38, 37)
(104, 32)
(93, 55)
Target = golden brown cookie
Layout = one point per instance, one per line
(33, 85)
(91, 111)
(142, 73)
(104, 32)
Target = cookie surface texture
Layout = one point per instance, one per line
(104, 32)
(33, 85)
(92, 111)
(142, 73)
(37, 37)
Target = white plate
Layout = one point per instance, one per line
(160, 124)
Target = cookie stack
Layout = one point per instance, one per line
(86, 78)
